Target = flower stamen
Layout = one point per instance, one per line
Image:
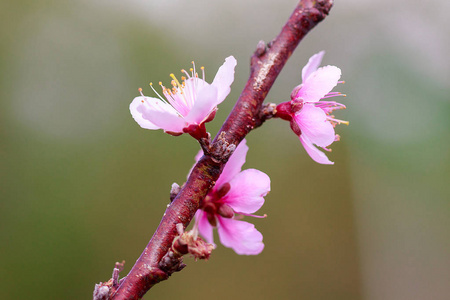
(203, 73)
(239, 215)
(159, 96)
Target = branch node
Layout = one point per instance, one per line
(171, 262)
(205, 143)
(103, 291)
(175, 189)
(221, 150)
(260, 48)
(268, 111)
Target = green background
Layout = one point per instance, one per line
(83, 186)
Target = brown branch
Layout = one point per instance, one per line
(247, 114)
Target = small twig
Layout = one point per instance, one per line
(103, 291)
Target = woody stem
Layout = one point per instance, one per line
(266, 64)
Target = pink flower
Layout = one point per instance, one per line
(311, 118)
(236, 193)
(188, 104)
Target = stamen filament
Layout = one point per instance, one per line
(251, 215)
(203, 73)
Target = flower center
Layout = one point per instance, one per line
(182, 95)
(214, 205)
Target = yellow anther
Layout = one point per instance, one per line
(160, 83)
(176, 80)
(192, 70)
(150, 84)
(202, 67)
(140, 90)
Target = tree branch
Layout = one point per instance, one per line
(247, 114)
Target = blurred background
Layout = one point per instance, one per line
(83, 186)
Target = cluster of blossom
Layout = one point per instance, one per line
(191, 103)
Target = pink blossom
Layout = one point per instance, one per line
(187, 105)
(236, 193)
(310, 117)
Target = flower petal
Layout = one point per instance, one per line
(204, 227)
(319, 83)
(167, 119)
(314, 153)
(247, 191)
(224, 78)
(138, 109)
(313, 124)
(241, 236)
(155, 114)
(205, 102)
(312, 65)
(234, 164)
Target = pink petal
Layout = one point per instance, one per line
(224, 78)
(234, 164)
(316, 154)
(312, 65)
(319, 83)
(241, 236)
(138, 109)
(247, 191)
(167, 120)
(205, 102)
(160, 114)
(204, 227)
(313, 124)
